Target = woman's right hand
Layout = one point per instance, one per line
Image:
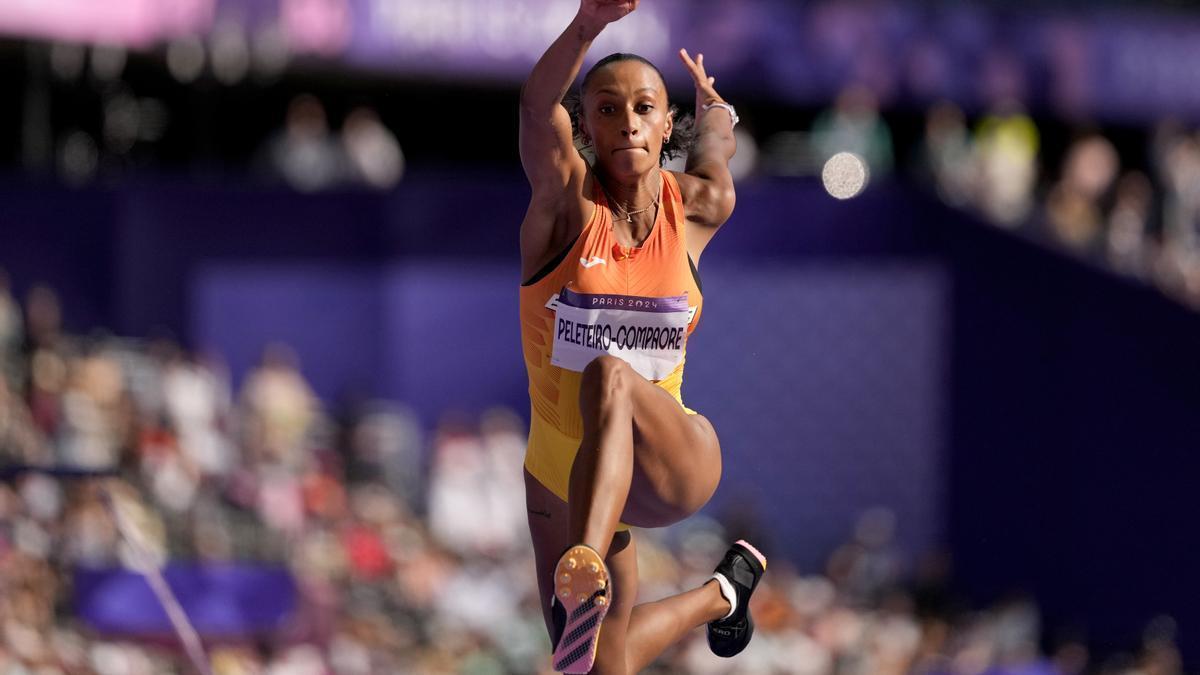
(603, 12)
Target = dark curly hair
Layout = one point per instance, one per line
(683, 134)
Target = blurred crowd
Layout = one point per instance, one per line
(309, 156)
(1133, 210)
(409, 550)
(1131, 207)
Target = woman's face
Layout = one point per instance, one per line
(626, 117)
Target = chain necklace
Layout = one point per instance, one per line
(617, 209)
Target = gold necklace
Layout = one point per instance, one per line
(628, 217)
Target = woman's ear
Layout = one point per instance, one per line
(581, 128)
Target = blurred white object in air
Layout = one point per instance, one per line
(844, 175)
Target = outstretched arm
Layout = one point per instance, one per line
(547, 148)
(554, 168)
(707, 186)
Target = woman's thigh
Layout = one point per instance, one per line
(677, 459)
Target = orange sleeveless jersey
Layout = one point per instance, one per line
(596, 263)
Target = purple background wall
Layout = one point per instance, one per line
(826, 382)
(330, 314)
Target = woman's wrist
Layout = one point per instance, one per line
(733, 116)
(587, 27)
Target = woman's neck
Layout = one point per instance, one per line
(632, 195)
(635, 209)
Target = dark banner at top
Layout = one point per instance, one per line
(1122, 63)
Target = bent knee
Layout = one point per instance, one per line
(604, 376)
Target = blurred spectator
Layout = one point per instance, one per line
(90, 535)
(1178, 265)
(373, 151)
(854, 125)
(1074, 206)
(1179, 153)
(459, 508)
(1129, 224)
(279, 406)
(47, 358)
(173, 480)
(1006, 141)
(20, 440)
(305, 153)
(947, 155)
(503, 442)
(867, 566)
(197, 401)
(92, 426)
(12, 335)
(43, 325)
(386, 441)
(1160, 655)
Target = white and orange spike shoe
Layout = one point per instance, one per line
(582, 595)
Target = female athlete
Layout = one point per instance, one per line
(611, 292)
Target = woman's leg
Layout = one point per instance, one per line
(642, 458)
(548, 517)
(633, 636)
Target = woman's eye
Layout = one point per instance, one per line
(606, 109)
(645, 107)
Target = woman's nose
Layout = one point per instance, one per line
(629, 128)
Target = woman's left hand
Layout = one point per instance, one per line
(705, 93)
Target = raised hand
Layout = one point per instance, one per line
(705, 93)
(604, 12)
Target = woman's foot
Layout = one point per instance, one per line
(581, 599)
(738, 575)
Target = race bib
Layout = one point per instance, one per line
(647, 333)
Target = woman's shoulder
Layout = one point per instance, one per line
(559, 219)
(674, 181)
(683, 185)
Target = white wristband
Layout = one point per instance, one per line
(732, 113)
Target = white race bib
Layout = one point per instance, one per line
(647, 333)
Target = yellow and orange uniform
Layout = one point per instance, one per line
(651, 281)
